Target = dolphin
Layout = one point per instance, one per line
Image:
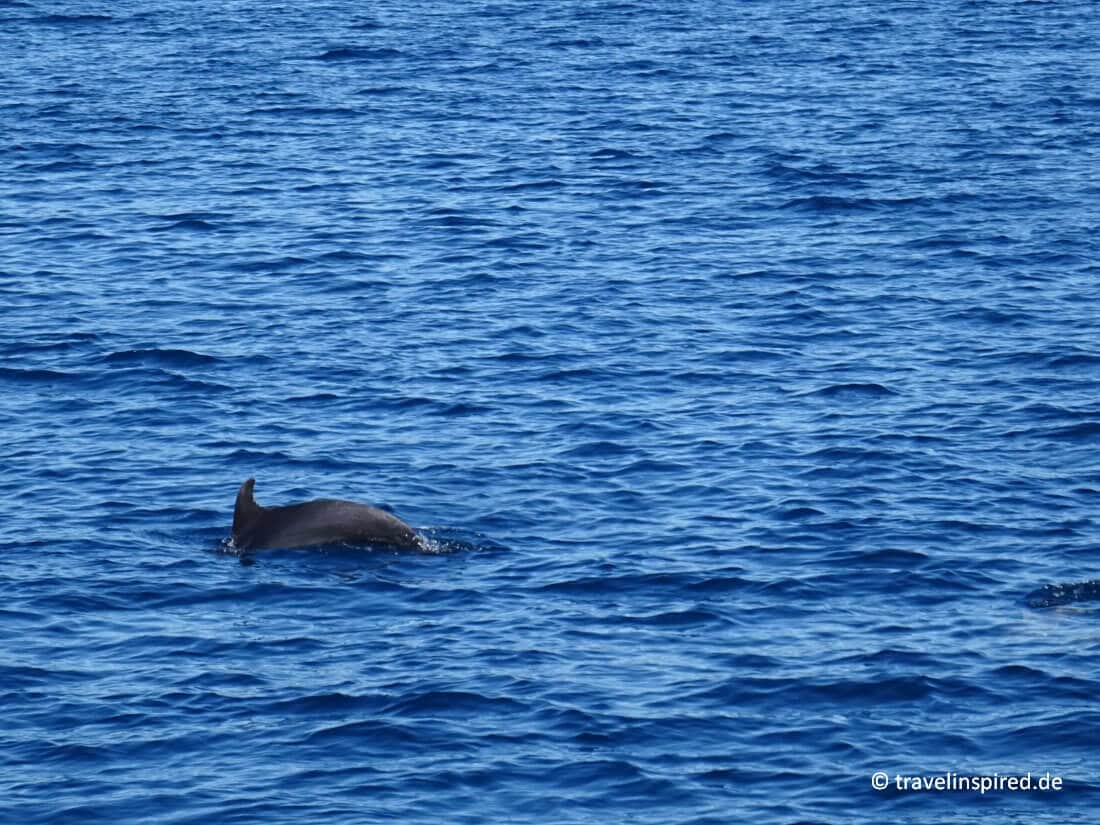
(322, 521)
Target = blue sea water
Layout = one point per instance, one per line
(739, 359)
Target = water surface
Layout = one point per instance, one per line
(739, 358)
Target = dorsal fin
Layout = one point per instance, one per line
(245, 510)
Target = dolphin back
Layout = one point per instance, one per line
(323, 521)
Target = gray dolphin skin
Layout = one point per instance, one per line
(322, 521)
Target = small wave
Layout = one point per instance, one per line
(836, 203)
(306, 111)
(817, 174)
(163, 357)
(324, 704)
(843, 692)
(846, 454)
(720, 585)
(651, 465)
(359, 53)
(1074, 360)
(73, 19)
(628, 582)
(609, 153)
(679, 618)
(985, 315)
(188, 224)
(313, 398)
(740, 355)
(1085, 431)
(576, 43)
(532, 186)
(719, 138)
(888, 557)
(61, 341)
(937, 242)
(449, 217)
(799, 513)
(34, 376)
(644, 68)
(598, 448)
(58, 166)
(828, 203)
(381, 734)
(269, 264)
(598, 772)
(343, 255)
(853, 391)
(381, 91)
(579, 374)
(459, 702)
(521, 241)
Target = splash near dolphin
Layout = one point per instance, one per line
(321, 521)
(1056, 595)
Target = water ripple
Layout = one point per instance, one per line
(738, 364)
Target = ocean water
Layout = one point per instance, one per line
(740, 361)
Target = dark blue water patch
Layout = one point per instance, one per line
(1086, 431)
(832, 203)
(190, 225)
(72, 19)
(381, 91)
(315, 112)
(34, 376)
(268, 265)
(747, 395)
(1076, 360)
(577, 43)
(853, 391)
(161, 357)
(359, 54)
